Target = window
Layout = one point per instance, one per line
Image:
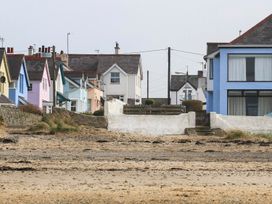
(119, 97)
(73, 106)
(249, 102)
(250, 68)
(189, 94)
(211, 69)
(21, 83)
(30, 87)
(115, 77)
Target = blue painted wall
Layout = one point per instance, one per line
(221, 85)
(14, 93)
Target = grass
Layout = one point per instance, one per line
(54, 123)
(238, 134)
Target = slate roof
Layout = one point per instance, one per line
(99, 64)
(178, 81)
(50, 66)
(15, 62)
(4, 99)
(35, 67)
(260, 34)
(213, 46)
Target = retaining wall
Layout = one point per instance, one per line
(146, 124)
(13, 117)
(254, 124)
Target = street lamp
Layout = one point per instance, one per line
(67, 36)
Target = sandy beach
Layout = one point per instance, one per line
(102, 167)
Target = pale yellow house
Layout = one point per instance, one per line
(4, 73)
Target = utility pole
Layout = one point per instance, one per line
(147, 84)
(54, 75)
(169, 75)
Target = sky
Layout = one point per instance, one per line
(138, 25)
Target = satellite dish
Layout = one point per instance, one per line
(2, 79)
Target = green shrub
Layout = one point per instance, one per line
(192, 105)
(29, 108)
(149, 102)
(99, 113)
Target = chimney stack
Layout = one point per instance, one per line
(10, 50)
(117, 48)
(30, 50)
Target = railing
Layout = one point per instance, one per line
(154, 110)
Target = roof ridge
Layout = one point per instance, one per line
(236, 40)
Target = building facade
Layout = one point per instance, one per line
(240, 73)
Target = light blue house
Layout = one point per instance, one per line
(75, 89)
(240, 73)
(18, 88)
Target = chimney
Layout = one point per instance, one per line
(43, 49)
(30, 50)
(10, 50)
(117, 48)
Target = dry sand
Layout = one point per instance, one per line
(97, 166)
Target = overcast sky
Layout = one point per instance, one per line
(137, 25)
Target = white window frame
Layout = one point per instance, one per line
(115, 79)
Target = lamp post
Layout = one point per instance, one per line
(67, 38)
(54, 75)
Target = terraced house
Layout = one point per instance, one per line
(18, 89)
(240, 73)
(4, 78)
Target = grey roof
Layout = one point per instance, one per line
(260, 34)
(99, 64)
(213, 46)
(178, 81)
(4, 99)
(15, 62)
(35, 67)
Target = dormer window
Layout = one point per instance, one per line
(115, 77)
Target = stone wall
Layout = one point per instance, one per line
(13, 117)
(83, 119)
(253, 124)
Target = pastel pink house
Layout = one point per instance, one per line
(39, 87)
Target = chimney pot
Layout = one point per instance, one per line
(30, 50)
(117, 48)
(43, 49)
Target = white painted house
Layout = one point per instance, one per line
(187, 87)
(120, 75)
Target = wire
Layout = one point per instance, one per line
(146, 51)
(188, 52)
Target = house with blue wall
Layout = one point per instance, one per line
(18, 89)
(75, 89)
(239, 80)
